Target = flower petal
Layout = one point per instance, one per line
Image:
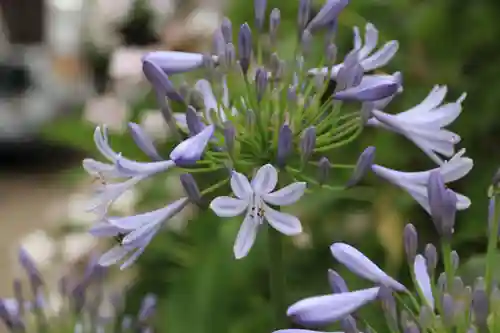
(190, 150)
(143, 141)
(228, 207)
(114, 255)
(371, 88)
(172, 62)
(423, 279)
(105, 229)
(246, 236)
(371, 39)
(322, 310)
(241, 186)
(287, 195)
(265, 180)
(359, 264)
(285, 223)
(381, 57)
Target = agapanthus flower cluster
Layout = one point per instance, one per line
(272, 118)
(436, 301)
(81, 303)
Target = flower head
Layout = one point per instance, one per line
(253, 198)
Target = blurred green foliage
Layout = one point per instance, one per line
(204, 290)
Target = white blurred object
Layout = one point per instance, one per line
(77, 246)
(126, 63)
(77, 211)
(153, 123)
(203, 21)
(107, 110)
(40, 246)
(125, 204)
(65, 26)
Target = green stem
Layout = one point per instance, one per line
(492, 246)
(448, 268)
(277, 278)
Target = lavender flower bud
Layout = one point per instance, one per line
(431, 257)
(363, 165)
(458, 287)
(480, 308)
(277, 67)
(261, 80)
(411, 327)
(307, 143)
(260, 13)
(304, 13)
(425, 317)
(218, 43)
(226, 28)
(193, 121)
(274, 22)
(29, 266)
(126, 323)
(143, 141)
(442, 282)
(448, 314)
(285, 138)
(327, 14)
(323, 170)
(389, 307)
(337, 283)
(291, 94)
(148, 307)
(348, 325)
(306, 42)
(410, 240)
(491, 213)
(160, 81)
(229, 136)
(455, 260)
(245, 47)
(442, 205)
(190, 188)
(331, 54)
(229, 56)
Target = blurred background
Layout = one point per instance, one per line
(69, 65)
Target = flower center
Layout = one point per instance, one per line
(256, 210)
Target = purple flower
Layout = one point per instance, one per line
(326, 309)
(371, 88)
(359, 264)
(415, 183)
(136, 232)
(368, 59)
(253, 198)
(172, 62)
(424, 124)
(327, 14)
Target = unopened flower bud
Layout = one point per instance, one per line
(425, 318)
(441, 283)
(229, 136)
(337, 283)
(245, 47)
(327, 14)
(274, 22)
(410, 240)
(190, 188)
(448, 305)
(285, 138)
(193, 121)
(306, 42)
(331, 54)
(307, 143)
(458, 287)
(229, 55)
(218, 43)
(480, 308)
(304, 13)
(261, 80)
(431, 257)
(260, 13)
(148, 307)
(363, 165)
(389, 307)
(323, 170)
(277, 67)
(227, 30)
(455, 260)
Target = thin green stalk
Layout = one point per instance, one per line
(277, 281)
(448, 268)
(492, 246)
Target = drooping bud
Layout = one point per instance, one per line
(274, 22)
(307, 143)
(431, 257)
(337, 283)
(226, 28)
(304, 13)
(193, 121)
(143, 141)
(261, 80)
(363, 165)
(229, 136)
(442, 204)
(410, 240)
(190, 188)
(389, 308)
(285, 138)
(160, 81)
(327, 14)
(245, 47)
(260, 13)
(324, 166)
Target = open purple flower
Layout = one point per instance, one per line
(254, 198)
